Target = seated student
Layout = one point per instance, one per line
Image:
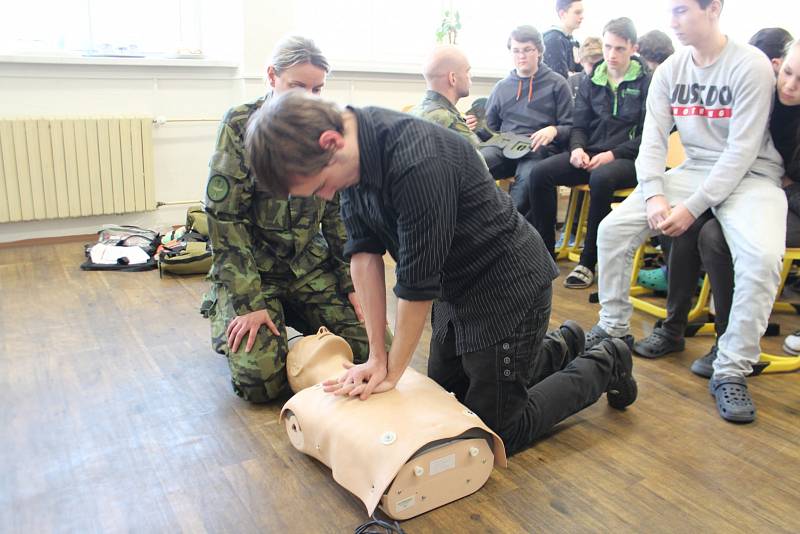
(590, 54)
(532, 101)
(773, 42)
(718, 94)
(559, 44)
(275, 261)
(608, 119)
(704, 241)
(423, 194)
(448, 79)
(654, 48)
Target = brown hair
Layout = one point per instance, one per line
(282, 138)
(527, 34)
(623, 28)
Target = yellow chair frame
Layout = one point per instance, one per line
(573, 252)
(770, 363)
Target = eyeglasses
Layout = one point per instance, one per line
(524, 51)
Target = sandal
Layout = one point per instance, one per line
(581, 277)
(658, 343)
(733, 399)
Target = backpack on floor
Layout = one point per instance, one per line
(115, 237)
(187, 250)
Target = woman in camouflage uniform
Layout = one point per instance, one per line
(276, 262)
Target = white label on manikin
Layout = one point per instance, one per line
(405, 504)
(442, 464)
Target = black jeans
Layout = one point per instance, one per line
(526, 383)
(502, 167)
(557, 170)
(704, 244)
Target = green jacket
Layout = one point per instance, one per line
(260, 243)
(436, 108)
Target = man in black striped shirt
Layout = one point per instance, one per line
(421, 192)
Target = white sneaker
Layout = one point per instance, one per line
(791, 344)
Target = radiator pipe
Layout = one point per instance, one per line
(177, 203)
(161, 120)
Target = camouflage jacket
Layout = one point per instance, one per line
(259, 241)
(436, 108)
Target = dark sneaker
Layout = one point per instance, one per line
(622, 389)
(597, 334)
(659, 343)
(574, 337)
(705, 366)
(734, 402)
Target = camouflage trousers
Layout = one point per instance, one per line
(305, 304)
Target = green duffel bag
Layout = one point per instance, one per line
(197, 220)
(190, 257)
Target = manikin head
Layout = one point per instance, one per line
(526, 47)
(789, 76)
(447, 71)
(297, 63)
(316, 358)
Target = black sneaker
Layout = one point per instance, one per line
(659, 343)
(597, 334)
(705, 366)
(622, 389)
(574, 337)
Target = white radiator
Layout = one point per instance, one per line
(55, 168)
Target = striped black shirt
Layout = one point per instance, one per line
(425, 196)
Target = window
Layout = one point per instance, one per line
(101, 27)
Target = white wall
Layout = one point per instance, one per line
(181, 150)
(244, 32)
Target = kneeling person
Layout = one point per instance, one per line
(271, 264)
(422, 193)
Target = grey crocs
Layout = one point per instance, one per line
(659, 343)
(733, 399)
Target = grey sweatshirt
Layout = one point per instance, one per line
(525, 105)
(722, 114)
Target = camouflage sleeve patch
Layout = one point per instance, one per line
(229, 188)
(228, 197)
(218, 188)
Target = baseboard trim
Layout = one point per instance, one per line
(39, 241)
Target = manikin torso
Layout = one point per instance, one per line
(410, 449)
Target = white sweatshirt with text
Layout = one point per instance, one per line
(722, 114)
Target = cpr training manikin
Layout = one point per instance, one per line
(409, 450)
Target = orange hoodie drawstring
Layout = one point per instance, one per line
(530, 89)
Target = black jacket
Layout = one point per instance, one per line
(604, 120)
(559, 52)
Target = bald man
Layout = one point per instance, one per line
(447, 76)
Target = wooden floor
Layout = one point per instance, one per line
(117, 417)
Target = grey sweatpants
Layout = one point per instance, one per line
(753, 220)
